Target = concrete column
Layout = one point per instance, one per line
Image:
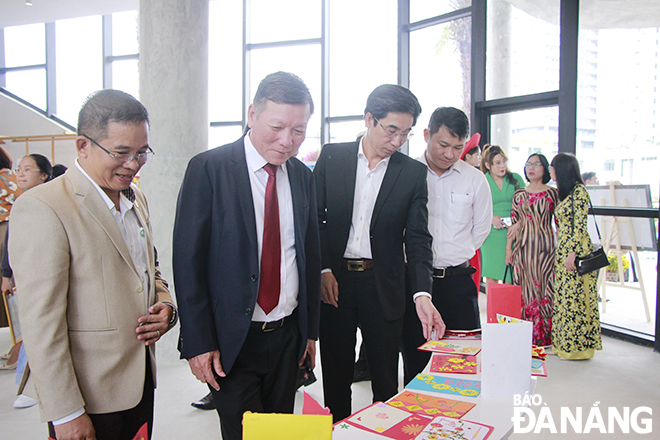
(174, 89)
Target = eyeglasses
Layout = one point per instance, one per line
(533, 164)
(392, 132)
(124, 158)
(18, 171)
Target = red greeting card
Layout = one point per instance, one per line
(448, 363)
(423, 404)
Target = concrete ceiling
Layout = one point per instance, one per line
(16, 12)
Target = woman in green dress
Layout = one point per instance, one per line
(503, 183)
(575, 319)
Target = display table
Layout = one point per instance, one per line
(495, 412)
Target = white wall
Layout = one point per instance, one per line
(18, 120)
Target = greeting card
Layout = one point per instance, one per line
(428, 405)
(441, 384)
(451, 347)
(453, 429)
(538, 368)
(447, 363)
(389, 421)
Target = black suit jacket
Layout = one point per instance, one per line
(400, 217)
(215, 257)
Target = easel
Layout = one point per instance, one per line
(611, 229)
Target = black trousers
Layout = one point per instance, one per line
(456, 298)
(358, 305)
(123, 425)
(263, 378)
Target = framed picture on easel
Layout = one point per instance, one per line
(11, 306)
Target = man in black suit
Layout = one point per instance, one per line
(247, 259)
(372, 203)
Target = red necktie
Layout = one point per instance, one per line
(269, 285)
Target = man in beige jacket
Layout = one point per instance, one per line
(92, 302)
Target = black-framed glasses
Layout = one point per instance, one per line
(124, 158)
(392, 132)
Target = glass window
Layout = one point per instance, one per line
(439, 72)
(283, 21)
(25, 45)
(29, 85)
(79, 63)
(525, 132)
(224, 135)
(522, 49)
(125, 77)
(304, 61)
(618, 131)
(423, 9)
(125, 27)
(225, 49)
(354, 73)
(346, 131)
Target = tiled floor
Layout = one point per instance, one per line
(622, 375)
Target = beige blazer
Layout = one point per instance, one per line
(80, 297)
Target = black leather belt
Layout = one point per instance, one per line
(358, 265)
(452, 271)
(268, 326)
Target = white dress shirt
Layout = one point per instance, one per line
(460, 212)
(288, 269)
(367, 187)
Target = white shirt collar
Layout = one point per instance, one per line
(361, 154)
(124, 203)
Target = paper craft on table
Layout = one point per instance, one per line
(389, 421)
(450, 347)
(429, 405)
(463, 334)
(345, 431)
(538, 368)
(441, 384)
(503, 319)
(454, 429)
(538, 352)
(451, 363)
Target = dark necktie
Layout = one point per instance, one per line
(269, 285)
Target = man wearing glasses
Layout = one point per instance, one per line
(460, 212)
(92, 302)
(372, 219)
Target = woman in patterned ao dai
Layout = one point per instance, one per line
(575, 319)
(531, 247)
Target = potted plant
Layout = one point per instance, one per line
(612, 273)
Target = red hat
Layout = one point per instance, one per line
(473, 142)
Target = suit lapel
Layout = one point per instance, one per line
(239, 171)
(349, 164)
(391, 175)
(92, 202)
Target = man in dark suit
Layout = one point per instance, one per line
(247, 259)
(372, 203)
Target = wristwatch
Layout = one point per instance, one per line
(175, 314)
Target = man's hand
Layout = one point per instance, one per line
(203, 366)
(80, 428)
(329, 289)
(311, 352)
(429, 317)
(154, 325)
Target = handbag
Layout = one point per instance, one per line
(597, 259)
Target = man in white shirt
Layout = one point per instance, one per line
(460, 210)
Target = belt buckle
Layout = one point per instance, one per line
(264, 329)
(444, 271)
(356, 265)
